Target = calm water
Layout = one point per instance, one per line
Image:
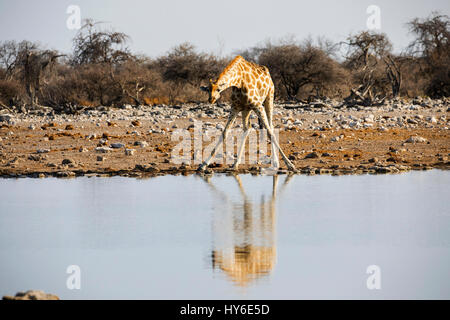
(242, 238)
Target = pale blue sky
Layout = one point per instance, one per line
(213, 26)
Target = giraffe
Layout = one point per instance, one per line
(252, 90)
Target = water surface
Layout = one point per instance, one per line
(245, 237)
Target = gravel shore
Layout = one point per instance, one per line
(325, 137)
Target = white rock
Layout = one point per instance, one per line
(142, 144)
(416, 139)
(5, 117)
(335, 139)
(432, 119)
(103, 149)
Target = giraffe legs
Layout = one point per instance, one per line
(230, 121)
(262, 115)
(268, 107)
(275, 161)
(245, 123)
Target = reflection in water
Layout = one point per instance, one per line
(244, 245)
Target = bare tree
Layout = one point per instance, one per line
(432, 37)
(9, 53)
(92, 45)
(365, 55)
(393, 71)
(432, 50)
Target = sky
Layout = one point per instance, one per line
(219, 27)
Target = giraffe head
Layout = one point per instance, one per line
(213, 90)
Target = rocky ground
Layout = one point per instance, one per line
(322, 137)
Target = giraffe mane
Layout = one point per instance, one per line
(229, 66)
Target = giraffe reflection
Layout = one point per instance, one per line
(244, 245)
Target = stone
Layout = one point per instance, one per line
(65, 174)
(91, 136)
(146, 168)
(117, 145)
(312, 155)
(67, 161)
(33, 157)
(369, 118)
(141, 144)
(129, 152)
(6, 118)
(32, 295)
(383, 169)
(432, 119)
(103, 149)
(416, 139)
(335, 139)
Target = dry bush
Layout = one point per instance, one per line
(98, 86)
(302, 70)
(66, 87)
(88, 85)
(134, 81)
(183, 70)
(439, 84)
(11, 93)
(184, 65)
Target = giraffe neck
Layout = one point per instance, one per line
(231, 77)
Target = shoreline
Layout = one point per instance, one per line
(145, 175)
(142, 174)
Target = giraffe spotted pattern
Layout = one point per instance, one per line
(252, 90)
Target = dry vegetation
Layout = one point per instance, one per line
(101, 71)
